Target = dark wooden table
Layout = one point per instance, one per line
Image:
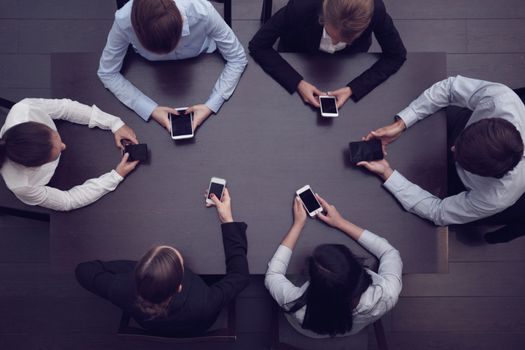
(266, 143)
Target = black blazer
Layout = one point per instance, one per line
(298, 28)
(195, 308)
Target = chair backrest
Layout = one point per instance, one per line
(223, 330)
(285, 337)
(227, 9)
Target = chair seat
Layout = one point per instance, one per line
(289, 336)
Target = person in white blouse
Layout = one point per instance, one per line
(30, 149)
(488, 154)
(342, 296)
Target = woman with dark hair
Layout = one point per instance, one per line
(30, 149)
(332, 27)
(161, 293)
(342, 296)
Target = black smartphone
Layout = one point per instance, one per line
(366, 151)
(137, 152)
(181, 125)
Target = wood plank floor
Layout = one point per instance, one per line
(478, 305)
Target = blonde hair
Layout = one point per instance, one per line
(158, 277)
(349, 17)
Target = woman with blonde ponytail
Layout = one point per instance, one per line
(161, 293)
(332, 27)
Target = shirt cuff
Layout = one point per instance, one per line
(117, 124)
(116, 176)
(215, 102)
(366, 238)
(105, 119)
(396, 182)
(408, 116)
(145, 108)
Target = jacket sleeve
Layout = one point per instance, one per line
(392, 57)
(98, 276)
(237, 272)
(262, 51)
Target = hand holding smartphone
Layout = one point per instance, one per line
(136, 151)
(310, 202)
(366, 151)
(328, 106)
(181, 124)
(216, 187)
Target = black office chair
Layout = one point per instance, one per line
(6, 103)
(227, 9)
(266, 11)
(223, 330)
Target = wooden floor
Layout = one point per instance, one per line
(479, 304)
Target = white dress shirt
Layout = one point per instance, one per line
(203, 30)
(485, 196)
(327, 45)
(378, 299)
(29, 183)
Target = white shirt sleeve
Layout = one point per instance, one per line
(77, 197)
(232, 51)
(76, 112)
(457, 91)
(458, 209)
(390, 265)
(281, 289)
(109, 73)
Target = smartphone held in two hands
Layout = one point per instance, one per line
(328, 106)
(309, 200)
(181, 124)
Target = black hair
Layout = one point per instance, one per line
(337, 280)
(29, 144)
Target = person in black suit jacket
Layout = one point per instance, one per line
(327, 25)
(161, 293)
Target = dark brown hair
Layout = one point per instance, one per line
(27, 143)
(157, 23)
(490, 147)
(158, 276)
(349, 17)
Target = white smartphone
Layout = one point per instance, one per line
(328, 106)
(216, 187)
(310, 202)
(181, 125)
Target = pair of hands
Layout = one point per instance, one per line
(224, 206)
(330, 216)
(310, 94)
(200, 113)
(125, 133)
(387, 135)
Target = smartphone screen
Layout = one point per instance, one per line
(137, 152)
(309, 200)
(328, 105)
(216, 189)
(366, 151)
(181, 124)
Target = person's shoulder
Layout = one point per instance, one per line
(194, 9)
(305, 6)
(123, 16)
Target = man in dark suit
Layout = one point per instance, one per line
(162, 294)
(332, 26)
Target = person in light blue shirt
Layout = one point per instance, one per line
(170, 30)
